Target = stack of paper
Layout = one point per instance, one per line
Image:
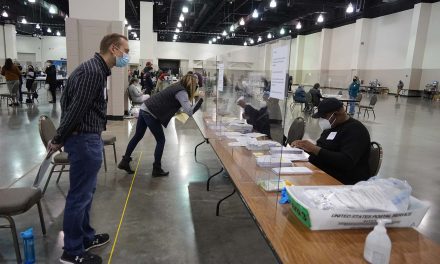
(272, 185)
(260, 145)
(294, 157)
(255, 135)
(292, 170)
(240, 127)
(268, 161)
(237, 144)
(286, 150)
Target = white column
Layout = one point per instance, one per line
(298, 59)
(416, 46)
(324, 51)
(89, 22)
(359, 50)
(10, 41)
(148, 37)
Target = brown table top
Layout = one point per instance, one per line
(289, 238)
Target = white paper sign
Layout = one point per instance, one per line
(221, 71)
(280, 58)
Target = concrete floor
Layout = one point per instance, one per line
(172, 220)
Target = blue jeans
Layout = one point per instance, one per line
(85, 156)
(145, 120)
(352, 105)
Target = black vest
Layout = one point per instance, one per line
(164, 104)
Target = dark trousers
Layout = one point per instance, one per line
(145, 121)
(85, 156)
(53, 90)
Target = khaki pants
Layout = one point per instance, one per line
(13, 89)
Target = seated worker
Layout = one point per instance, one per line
(316, 94)
(343, 148)
(136, 96)
(259, 119)
(300, 96)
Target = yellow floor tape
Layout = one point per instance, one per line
(123, 211)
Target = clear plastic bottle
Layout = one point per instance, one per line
(28, 244)
(378, 245)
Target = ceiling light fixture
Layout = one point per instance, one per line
(210, 42)
(37, 26)
(175, 36)
(177, 30)
(255, 13)
(52, 9)
(218, 37)
(224, 33)
(273, 4)
(232, 28)
(49, 30)
(245, 43)
(298, 25)
(23, 21)
(269, 36)
(181, 17)
(185, 9)
(129, 27)
(125, 22)
(179, 24)
(282, 31)
(251, 41)
(4, 13)
(214, 39)
(259, 39)
(31, 1)
(137, 38)
(135, 34)
(58, 33)
(350, 8)
(320, 18)
(242, 22)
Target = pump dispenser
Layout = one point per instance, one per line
(378, 245)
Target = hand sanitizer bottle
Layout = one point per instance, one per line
(28, 243)
(378, 245)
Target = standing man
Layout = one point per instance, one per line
(83, 118)
(399, 88)
(51, 79)
(353, 91)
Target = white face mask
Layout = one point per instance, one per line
(263, 104)
(325, 124)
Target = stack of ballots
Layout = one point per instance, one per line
(293, 154)
(268, 161)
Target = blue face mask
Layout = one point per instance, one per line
(123, 61)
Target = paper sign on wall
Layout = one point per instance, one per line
(221, 71)
(280, 60)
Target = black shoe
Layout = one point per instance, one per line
(158, 172)
(86, 258)
(16, 104)
(99, 240)
(124, 164)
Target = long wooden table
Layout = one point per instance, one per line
(290, 240)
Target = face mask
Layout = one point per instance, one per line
(263, 104)
(121, 62)
(354, 80)
(325, 124)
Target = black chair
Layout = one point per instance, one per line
(296, 130)
(370, 107)
(375, 159)
(358, 102)
(32, 94)
(15, 201)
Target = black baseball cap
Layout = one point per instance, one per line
(326, 106)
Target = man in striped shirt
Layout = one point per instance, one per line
(83, 118)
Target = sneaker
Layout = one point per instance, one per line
(99, 240)
(159, 172)
(85, 258)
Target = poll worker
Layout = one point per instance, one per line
(258, 118)
(136, 95)
(353, 91)
(343, 148)
(83, 118)
(156, 112)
